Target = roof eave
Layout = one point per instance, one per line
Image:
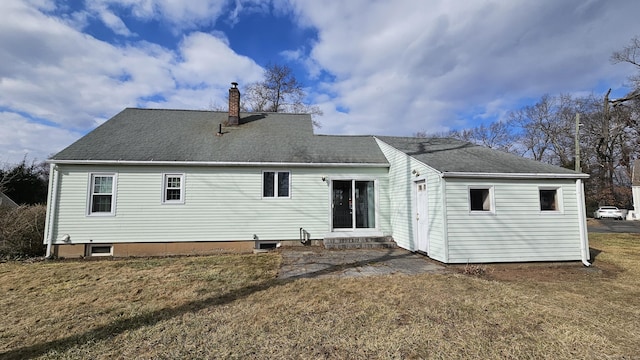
(476, 175)
(211, 163)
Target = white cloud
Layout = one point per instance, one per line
(46, 5)
(179, 13)
(49, 70)
(208, 60)
(109, 19)
(247, 6)
(397, 67)
(406, 65)
(54, 72)
(20, 137)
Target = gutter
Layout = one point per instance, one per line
(582, 224)
(212, 163)
(476, 175)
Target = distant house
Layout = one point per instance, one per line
(157, 182)
(6, 202)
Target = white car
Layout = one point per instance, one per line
(610, 212)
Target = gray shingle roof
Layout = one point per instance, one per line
(6, 201)
(188, 135)
(451, 155)
(635, 176)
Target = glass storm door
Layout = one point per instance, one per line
(353, 204)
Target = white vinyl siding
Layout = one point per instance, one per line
(635, 192)
(221, 204)
(402, 201)
(519, 231)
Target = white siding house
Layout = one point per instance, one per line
(514, 228)
(635, 191)
(159, 182)
(482, 205)
(217, 204)
(405, 175)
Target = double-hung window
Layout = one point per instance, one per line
(276, 184)
(173, 189)
(102, 199)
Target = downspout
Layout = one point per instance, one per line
(582, 224)
(445, 223)
(52, 205)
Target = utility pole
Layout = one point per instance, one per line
(578, 142)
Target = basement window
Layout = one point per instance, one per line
(481, 199)
(267, 245)
(99, 250)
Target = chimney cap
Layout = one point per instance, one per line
(234, 84)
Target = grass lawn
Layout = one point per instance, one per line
(232, 306)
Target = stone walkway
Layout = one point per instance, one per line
(322, 263)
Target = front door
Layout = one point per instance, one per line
(353, 204)
(422, 218)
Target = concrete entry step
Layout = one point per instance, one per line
(360, 242)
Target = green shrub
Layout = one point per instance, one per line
(22, 231)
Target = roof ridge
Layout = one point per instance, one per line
(218, 111)
(159, 109)
(345, 135)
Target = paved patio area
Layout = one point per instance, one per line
(307, 262)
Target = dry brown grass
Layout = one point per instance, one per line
(232, 306)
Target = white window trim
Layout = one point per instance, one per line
(374, 230)
(164, 189)
(275, 184)
(91, 246)
(559, 200)
(114, 193)
(492, 200)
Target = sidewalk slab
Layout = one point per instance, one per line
(323, 263)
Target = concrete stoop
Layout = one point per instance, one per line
(365, 242)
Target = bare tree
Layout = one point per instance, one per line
(279, 91)
(609, 135)
(630, 54)
(4, 181)
(498, 135)
(616, 132)
(25, 183)
(546, 129)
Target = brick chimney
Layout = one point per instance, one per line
(234, 105)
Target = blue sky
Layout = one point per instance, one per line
(373, 67)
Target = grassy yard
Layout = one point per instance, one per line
(232, 306)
